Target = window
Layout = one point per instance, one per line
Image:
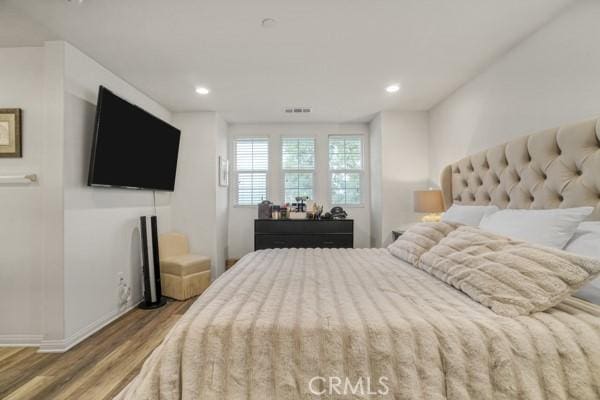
(251, 166)
(345, 167)
(298, 164)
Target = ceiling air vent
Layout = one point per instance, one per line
(298, 110)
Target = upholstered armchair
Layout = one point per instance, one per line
(182, 275)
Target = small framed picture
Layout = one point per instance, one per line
(223, 172)
(10, 132)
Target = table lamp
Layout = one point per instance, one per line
(430, 202)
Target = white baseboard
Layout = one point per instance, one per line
(62, 345)
(20, 340)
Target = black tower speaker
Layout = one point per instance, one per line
(151, 264)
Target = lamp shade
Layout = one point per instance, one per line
(428, 201)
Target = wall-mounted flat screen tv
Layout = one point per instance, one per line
(131, 147)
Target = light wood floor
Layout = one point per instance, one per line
(96, 369)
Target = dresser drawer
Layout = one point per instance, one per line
(281, 234)
(303, 227)
(273, 241)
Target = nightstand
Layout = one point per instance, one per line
(399, 231)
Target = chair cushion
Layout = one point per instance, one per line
(184, 265)
(172, 244)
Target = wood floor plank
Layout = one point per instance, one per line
(27, 353)
(30, 389)
(21, 373)
(6, 352)
(97, 368)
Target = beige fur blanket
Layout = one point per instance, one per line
(510, 277)
(361, 324)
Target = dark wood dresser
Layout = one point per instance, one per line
(303, 233)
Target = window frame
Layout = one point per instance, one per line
(236, 171)
(361, 171)
(298, 171)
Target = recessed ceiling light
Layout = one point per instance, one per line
(202, 90)
(392, 88)
(268, 23)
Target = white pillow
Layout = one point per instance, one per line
(586, 242)
(467, 215)
(553, 228)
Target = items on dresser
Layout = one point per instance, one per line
(297, 215)
(303, 233)
(338, 213)
(313, 210)
(275, 212)
(299, 204)
(264, 209)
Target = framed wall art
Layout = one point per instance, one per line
(10, 132)
(223, 172)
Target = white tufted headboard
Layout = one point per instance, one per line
(555, 168)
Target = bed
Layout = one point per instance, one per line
(365, 323)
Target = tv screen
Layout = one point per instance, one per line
(131, 148)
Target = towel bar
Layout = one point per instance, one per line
(25, 179)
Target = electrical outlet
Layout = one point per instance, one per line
(124, 289)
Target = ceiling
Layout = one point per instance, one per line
(17, 29)
(335, 56)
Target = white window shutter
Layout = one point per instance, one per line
(346, 169)
(251, 165)
(298, 165)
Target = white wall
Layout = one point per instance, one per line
(21, 294)
(241, 218)
(222, 199)
(399, 166)
(101, 237)
(551, 78)
(199, 206)
(52, 183)
(375, 137)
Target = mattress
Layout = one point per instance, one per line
(360, 323)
